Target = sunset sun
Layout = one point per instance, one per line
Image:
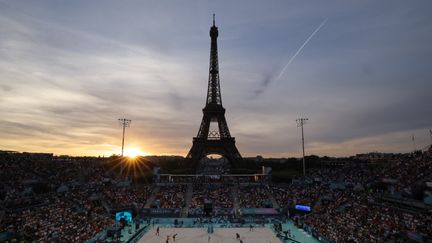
(134, 152)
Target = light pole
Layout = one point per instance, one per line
(300, 123)
(124, 123)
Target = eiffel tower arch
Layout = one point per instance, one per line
(214, 139)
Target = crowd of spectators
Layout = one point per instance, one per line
(69, 218)
(122, 197)
(171, 196)
(219, 195)
(361, 219)
(408, 172)
(70, 200)
(48, 199)
(254, 196)
(290, 195)
(347, 205)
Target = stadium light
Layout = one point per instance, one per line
(300, 123)
(124, 123)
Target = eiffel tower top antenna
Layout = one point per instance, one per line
(213, 93)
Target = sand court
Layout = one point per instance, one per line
(220, 235)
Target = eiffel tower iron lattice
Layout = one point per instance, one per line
(214, 141)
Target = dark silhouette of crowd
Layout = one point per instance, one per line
(171, 196)
(219, 195)
(50, 199)
(65, 199)
(253, 196)
(349, 203)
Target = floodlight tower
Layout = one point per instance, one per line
(124, 123)
(300, 123)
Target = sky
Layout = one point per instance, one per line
(361, 71)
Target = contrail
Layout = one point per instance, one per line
(301, 48)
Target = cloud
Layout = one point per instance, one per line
(263, 84)
(69, 71)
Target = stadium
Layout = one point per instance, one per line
(372, 198)
(213, 194)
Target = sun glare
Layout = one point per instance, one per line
(133, 152)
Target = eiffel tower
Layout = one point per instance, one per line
(218, 141)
